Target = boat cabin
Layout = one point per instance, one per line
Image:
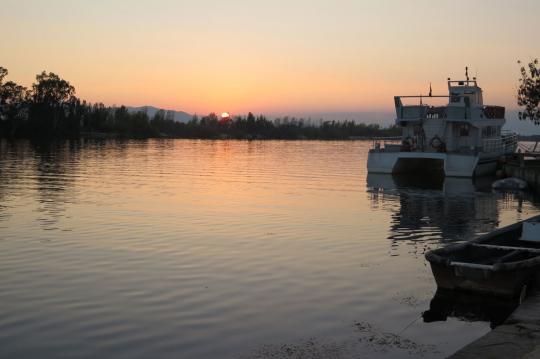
(456, 134)
(463, 125)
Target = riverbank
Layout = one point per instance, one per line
(518, 337)
(105, 135)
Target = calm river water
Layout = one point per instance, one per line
(227, 249)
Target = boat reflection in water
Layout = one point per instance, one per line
(468, 307)
(448, 186)
(431, 212)
(434, 209)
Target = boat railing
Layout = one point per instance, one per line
(463, 110)
(386, 144)
(507, 143)
(420, 111)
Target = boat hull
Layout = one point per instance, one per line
(509, 284)
(451, 165)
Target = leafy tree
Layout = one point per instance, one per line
(250, 122)
(3, 73)
(159, 122)
(529, 92)
(53, 99)
(211, 120)
(50, 89)
(159, 116)
(13, 109)
(13, 101)
(194, 120)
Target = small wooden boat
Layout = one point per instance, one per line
(503, 262)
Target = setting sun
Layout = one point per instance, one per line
(371, 190)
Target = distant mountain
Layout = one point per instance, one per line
(179, 116)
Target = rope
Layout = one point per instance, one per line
(408, 325)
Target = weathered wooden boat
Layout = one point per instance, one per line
(503, 262)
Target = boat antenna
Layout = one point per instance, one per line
(421, 100)
(467, 74)
(430, 90)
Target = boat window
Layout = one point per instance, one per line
(463, 130)
(454, 97)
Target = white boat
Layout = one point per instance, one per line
(463, 138)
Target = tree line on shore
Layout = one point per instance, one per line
(50, 109)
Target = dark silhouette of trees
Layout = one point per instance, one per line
(51, 90)
(51, 109)
(529, 92)
(13, 99)
(3, 73)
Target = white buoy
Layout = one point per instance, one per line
(510, 183)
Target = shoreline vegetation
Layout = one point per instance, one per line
(51, 110)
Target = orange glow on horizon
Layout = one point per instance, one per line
(351, 57)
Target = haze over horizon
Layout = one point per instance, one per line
(274, 57)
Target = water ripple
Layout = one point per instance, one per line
(225, 249)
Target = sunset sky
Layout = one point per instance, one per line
(295, 56)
